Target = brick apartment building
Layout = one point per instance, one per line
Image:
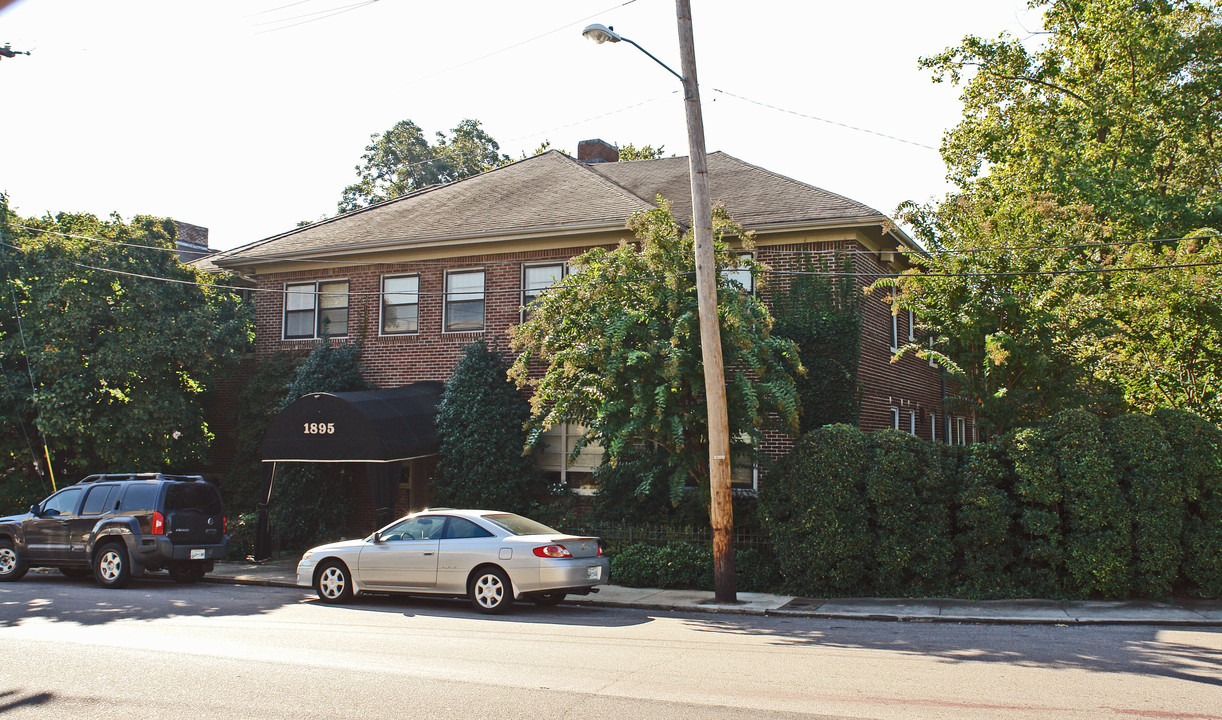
(416, 278)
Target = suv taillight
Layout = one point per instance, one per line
(224, 524)
(600, 550)
(553, 551)
(158, 524)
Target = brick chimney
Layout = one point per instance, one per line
(597, 151)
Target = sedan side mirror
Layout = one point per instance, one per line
(34, 510)
(377, 536)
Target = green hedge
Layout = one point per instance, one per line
(1076, 507)
(689, 566)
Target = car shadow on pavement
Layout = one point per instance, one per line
(151, 597)
(1193, 654)
(519, 612)
(9, 702)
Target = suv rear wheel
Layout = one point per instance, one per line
(12, 567)
(112, 566)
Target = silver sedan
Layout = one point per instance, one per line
(492, 558)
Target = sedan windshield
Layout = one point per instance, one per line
(519, 525)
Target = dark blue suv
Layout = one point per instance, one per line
(118, 526)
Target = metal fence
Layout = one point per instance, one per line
(615, 535)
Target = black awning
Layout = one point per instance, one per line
(369, 426)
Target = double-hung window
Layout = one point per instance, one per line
(742, 276)
(315, 309)
(535, 280)
(895, 328)
(464, 311)
(400, 304)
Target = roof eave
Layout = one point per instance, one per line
(420, 243)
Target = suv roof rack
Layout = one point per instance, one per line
(113, 477)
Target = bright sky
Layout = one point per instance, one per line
(247, 116)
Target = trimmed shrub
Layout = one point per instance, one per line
(909, 498)
(814, 508)
(1156, 501)
(1196, 458)
(1098, 534)
(481, 423)
(757, 571)
(685, 566)
(689, 566)
(1038, 493)
(636, 566)
(984, 522)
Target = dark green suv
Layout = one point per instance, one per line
(118, 526)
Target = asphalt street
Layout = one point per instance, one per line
(160, 650)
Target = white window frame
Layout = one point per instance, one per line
(933, 427)
(382, 304)
(529, 295)
(895, 328)
(911, 326)
(449, 300)
(735, 273)
(315, 310)
(912, 414)
(895, 418)
(961, 429)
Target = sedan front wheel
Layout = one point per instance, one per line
(333, 582)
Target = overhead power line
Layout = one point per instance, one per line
(760, 271)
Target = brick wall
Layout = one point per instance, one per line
(390, 361)
(910, 384)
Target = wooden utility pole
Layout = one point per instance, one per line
(721, 510)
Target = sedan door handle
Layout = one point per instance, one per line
(429, 552)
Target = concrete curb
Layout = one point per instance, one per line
(914, 610)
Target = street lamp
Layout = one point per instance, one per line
(721, 511)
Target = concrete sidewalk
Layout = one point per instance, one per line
(1207, 613)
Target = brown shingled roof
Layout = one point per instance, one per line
(552, 192)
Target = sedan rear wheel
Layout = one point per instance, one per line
(12, 567)
(333, 582)
(490, 590)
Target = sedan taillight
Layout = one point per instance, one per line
(158, 524)
(600, 550)
(553, 551)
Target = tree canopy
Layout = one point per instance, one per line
(121, 341)
(615, 347)
(1079, 164)
(401, 160)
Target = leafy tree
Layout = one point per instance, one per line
(618, 349)
(1105, 136)
(122, 341)
(482, 427)
(1167, 348)
(402, 160)
(822, 316)
(645, 152)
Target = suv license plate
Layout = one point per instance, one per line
(594, 573)
(198, 554)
